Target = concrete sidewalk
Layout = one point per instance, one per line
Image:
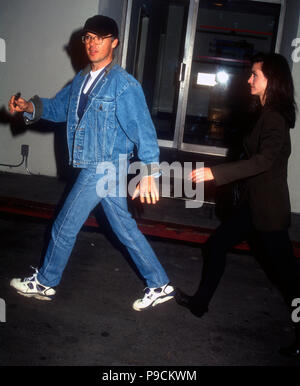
(91, 322)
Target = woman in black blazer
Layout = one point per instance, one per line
(263, 213)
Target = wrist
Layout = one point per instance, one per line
(29, 108)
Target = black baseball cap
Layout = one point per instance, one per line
(101, 25)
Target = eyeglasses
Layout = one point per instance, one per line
(96, 39)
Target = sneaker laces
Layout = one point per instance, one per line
(33, 276)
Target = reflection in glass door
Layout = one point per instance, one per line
(154, 57)
(192, 59)
(227, 34)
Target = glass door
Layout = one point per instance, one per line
(192, 59)
(227, 34)
(154, 55)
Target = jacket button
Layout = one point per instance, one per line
(100, 107)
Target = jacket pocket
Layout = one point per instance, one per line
(104, 110)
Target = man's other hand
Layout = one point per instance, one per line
(147, 188)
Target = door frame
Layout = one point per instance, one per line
(185, 73)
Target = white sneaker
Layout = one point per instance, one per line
(154, 296)
(31, 287)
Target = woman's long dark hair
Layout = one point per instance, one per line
(280, 88)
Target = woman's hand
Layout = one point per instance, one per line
(201, 175)
(147, 188)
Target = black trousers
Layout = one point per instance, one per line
(273, 250)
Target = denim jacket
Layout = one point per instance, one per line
(116, 119)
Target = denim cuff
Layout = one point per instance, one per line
(37, 111)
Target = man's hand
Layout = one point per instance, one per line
(201, 175)
(19, 105)
(147, 188)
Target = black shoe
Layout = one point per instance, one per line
(187, 301)
(292, 351)
(182, 299)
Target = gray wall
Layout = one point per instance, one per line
(35, 34)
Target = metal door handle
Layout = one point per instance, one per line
(182, 72)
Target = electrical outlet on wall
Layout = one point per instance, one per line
(25, 150)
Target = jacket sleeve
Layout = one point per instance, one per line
(271, 141)
(52, 109)
(134, 118)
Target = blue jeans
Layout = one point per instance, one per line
(82, 199)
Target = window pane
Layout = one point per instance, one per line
(226, 37)
(155, 53)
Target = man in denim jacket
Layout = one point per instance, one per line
(106, 115)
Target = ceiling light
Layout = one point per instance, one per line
(222, 77)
